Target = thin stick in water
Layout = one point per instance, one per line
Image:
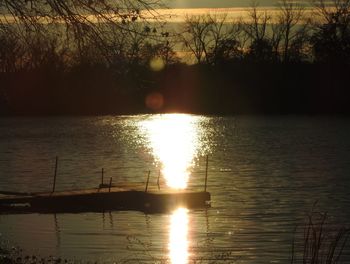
(206, 174)
(110, 184)
(55, 175)
(102, 172)
(149, 173)
(158, 183)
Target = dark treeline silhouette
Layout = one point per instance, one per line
(92, 57)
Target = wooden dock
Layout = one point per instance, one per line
(106, 197)
(102, 199)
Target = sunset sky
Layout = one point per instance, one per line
(216, 3)
(235, 9)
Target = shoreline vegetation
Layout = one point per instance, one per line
(98, 58)
(234, 88)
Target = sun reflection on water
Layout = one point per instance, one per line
(174, 142)
(178, 237)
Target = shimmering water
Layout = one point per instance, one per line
(265, 174)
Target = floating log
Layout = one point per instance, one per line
(99, 200)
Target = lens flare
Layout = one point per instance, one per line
(157, 64)
(154, 101)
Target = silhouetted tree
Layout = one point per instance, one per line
(331, 40)
(256, 24)
(211, 38)
(228, 49)
(43, 51)
(292, 29)
(227, 40)
(289, 16)
(80, 14)
(299, 49)
(260, 48)
(84, 22)
(196, 36)
(10, 50)
(218, 32)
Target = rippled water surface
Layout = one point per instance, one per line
(265, 174)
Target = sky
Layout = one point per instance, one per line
(234, 9)
(217, 3)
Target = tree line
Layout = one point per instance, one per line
(291, 33)
(90, 57)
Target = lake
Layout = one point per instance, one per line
(264, 173)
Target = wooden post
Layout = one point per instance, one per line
(158, 183)
(206, 175)
(110, 184)
(55, 175)
(149, 173)
(102, 172)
